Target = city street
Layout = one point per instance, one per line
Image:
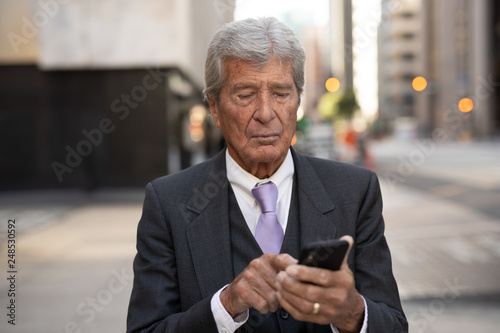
(74, 269)
(442, 213)
(74, 251)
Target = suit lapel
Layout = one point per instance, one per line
(315, 204)
(208, 231)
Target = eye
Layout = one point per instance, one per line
(281, 95)
(244, 96)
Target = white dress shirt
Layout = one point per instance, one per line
(242, 183)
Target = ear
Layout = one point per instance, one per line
(214, 111)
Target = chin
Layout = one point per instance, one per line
(268, 154)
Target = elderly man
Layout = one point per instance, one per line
(210, 259)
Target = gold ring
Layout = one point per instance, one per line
(315, 308)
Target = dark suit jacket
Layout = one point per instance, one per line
(183, 242)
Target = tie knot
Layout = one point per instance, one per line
(266, 195)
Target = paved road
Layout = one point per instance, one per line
(74, 270)
(74, 250)
(442, 212)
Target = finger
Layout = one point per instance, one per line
(250, 291)
(313, 275)
(299, 289)
(297, 292)
(293, 304)
(349, 240)
(302, 310)
(261, 278)
(260, 273)
(281, 261)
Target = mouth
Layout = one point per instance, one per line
(266, 139)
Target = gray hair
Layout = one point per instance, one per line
(254, 40)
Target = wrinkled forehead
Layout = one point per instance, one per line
(236, 69)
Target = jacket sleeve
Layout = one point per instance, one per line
(373, 267)
(155, 304)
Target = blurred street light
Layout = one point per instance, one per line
(332, 84)
(419, 83)
(465, 105)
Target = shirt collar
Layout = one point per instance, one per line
(243, 181)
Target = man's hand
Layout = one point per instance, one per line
(257, 286)
(339, 302)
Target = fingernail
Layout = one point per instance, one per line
(281, 276)
(292, 270)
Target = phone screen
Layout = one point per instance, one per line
(324, 254)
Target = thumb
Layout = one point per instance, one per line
(349, 240)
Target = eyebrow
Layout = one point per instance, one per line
(286, 86)
(242, 86)
(277, 85)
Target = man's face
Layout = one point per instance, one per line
(257, 112)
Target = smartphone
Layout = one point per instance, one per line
(327, 254)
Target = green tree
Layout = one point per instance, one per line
(338, 106)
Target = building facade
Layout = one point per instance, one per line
(342, 42)
(398, 56)
(98, 93)
(454, 46)
(460, 59)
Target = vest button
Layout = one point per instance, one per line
(284, 314)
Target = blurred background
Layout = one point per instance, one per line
(97, 98)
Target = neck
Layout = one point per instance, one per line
(263, 170)
(260, 170)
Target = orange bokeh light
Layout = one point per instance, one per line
(419, 83)
(332, 84)
(465, 105)
(294, 140)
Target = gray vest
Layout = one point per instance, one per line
(244, 248)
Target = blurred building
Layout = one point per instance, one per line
(341, 42)
(102, 92)
(460, 59)
(454, 45)
(317, 68)
(398, 56)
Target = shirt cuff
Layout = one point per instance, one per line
(225, 323)
(364, 328)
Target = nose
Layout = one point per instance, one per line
(264, 112)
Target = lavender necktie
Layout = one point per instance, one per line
(269, 233)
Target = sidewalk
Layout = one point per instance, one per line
(441, 213)
(74, 271)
